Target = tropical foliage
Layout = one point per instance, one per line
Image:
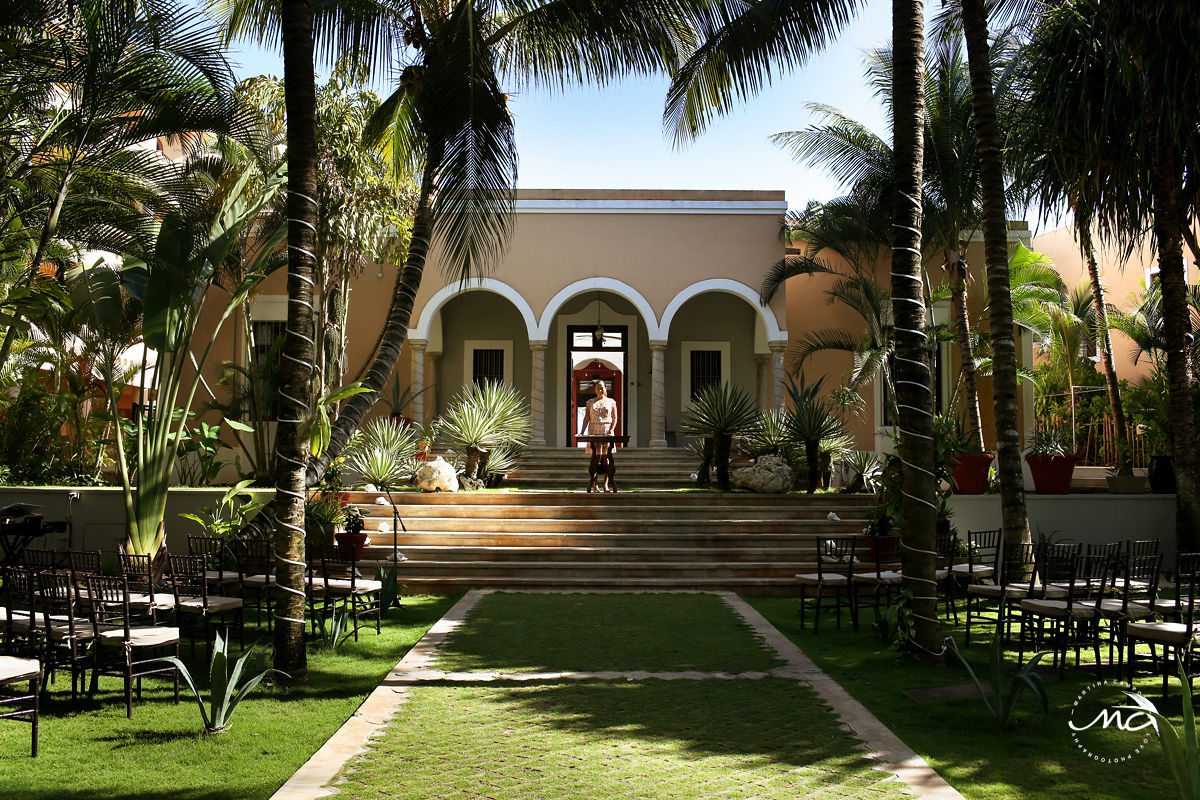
(483, 418)
(718, 413)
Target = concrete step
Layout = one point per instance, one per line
(648, 513)
(609, 500)
(657, 527)
(486, 570)
(610, 555)
(760, 586)
(384, 540)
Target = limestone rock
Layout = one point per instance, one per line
(437, 476)
(471, 484)
(768, 475)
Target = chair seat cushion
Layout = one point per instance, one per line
(83, 630)
(360, 586)
(142, 636)
(885, 578)
(974, 571)
(1058, 608)
(258, 581)
(1166, 632)
(18, 669)
(1171, 608)
(822, 580)
(221, 576)
(1112, 608)
(216, 605)
(161, 601)
(994, 592)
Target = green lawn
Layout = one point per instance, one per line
(90, 750)
(596, 632)
(1036, 759)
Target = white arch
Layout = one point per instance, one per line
(443, 295)
(598, 285)
(774, 332)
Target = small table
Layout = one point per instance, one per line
(16, 532)
(603, 461)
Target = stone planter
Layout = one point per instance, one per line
(971, 472)
(1051, 474)
(1126, 484)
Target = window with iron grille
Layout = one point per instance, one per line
(487, 365)
(706, 369)
(267, 339)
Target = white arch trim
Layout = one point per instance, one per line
(598, 285)
(443, 295)
(774, 332)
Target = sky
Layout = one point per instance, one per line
(613, 138)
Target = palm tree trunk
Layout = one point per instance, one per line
(1124, 455)
(913, 386)
(1166, 177)
(962, 329)
(1013, 514)
(296, 369)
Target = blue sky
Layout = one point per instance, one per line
(613, 138)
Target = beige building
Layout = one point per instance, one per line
(655, 292)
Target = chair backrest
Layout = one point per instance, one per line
(59, 600)
(85, 562)
(253, 557)
(187, 577)
(983, 549)
(1018, 565)
(18, 596)
(1110, 549)
(216, 553)
(1056, 562)
(1141, 575)
(138, 571)
(835, 555)
(108, 599)
(1091, 579)
(1187, 585)
(39, 560)
(1143, 547)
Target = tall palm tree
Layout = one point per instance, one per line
(1013, 514)
(1124, 75)
(914, 395)
(950, 198)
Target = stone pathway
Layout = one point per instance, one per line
(360, 733)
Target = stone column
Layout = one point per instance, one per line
(776, 373)
(417, 383)
(537, 393)
(762, 392)
(658, 394)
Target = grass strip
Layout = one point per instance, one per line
(88, 749)
(595, 632)
(769, 739)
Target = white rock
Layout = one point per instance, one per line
(768, 475)
(437, 476)
(370, 487)
(381, 501)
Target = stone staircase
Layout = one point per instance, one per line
(752, 544)
(567, 468)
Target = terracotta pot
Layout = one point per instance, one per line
(971, 472)
(1051, 474)
(352, 544)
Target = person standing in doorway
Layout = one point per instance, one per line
(600, 419)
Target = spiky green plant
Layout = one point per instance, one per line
(811, 420)
(500, 461)
(1181, 751)
(381, 451)
(1002, 702)
(720, 412)
(865, 469)
(225, 689)
(483, 417)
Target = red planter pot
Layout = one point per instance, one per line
(352, 543)
(1051, 474)
(971, 472)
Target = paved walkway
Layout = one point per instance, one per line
(319, 776)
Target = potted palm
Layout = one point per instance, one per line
(969, 462)
(324, 516)
(1051, 464)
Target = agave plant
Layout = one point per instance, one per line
(225, 689)
(500, 461)
(865, 468)
(483, 417)
(811, 420)
(381, 452)
(718, 413)
(769, 435)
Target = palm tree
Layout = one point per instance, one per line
(1113, 72)
(950, 198)
(1013, 514)
(914, 394)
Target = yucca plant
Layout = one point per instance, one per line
(769, 434)
(718, 413)
(812, 419)
(483, 417)
(500, 461)
(225, 689)
(865, 469)
(1181, 750)
(336, 628)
